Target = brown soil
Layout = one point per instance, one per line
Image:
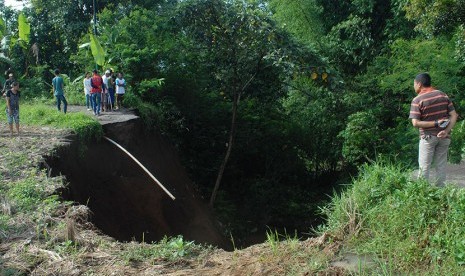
(126, 203)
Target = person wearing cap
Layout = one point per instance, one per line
(7, 84)
(59, 91)
(105, 79)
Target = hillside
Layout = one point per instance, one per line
(43, 235)
(384, 224)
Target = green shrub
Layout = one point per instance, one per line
(361, 137)
(172, 249)
(415, 224)
(74, 92)
(27, 193)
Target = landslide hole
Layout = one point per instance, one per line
(126, 204)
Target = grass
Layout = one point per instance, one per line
(409, 227)
(42, 115)
(171, 249)
(413, 226)
(49, 233)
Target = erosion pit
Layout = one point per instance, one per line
(126, 203)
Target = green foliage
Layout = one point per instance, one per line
(97, 50)
(302, 18)
(27, 193)
(385, 92)
(150, 113)
(351, 44)
(34, 86)
(24, 28)
(188, 62)
(172, 249)
(387, 214)
(360, 137)
(2, 28)
(74, 91)
(437, 16)
(457, 148)
(314, 121)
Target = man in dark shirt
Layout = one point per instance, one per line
(434, 114)
(7, 84)
(12, 106)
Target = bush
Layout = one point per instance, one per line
(413, 223)
(361, 131)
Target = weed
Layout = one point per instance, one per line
(272, 238)
(412, 222)
(67, 247)
(26, 193)
(172, 249)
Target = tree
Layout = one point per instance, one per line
(303, 18)
(434, 17)
(239, 42)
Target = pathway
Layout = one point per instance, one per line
(119, 116)
(455, 174)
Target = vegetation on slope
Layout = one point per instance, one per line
(409, 226)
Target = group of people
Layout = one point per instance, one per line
(100, 91)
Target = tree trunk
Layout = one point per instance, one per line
(228, 151)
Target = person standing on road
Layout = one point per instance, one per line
(87, 88)
(433, 113)
(105, 79)
(96, 82)
(120, 85)
(12, 106)
(111, 90)
(58, 91)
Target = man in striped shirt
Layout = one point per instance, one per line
(434, 114)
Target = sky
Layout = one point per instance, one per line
(15, 4)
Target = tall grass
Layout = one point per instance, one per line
(416, 227)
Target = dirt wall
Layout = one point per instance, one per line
(125, 202)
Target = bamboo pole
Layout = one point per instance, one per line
(142, 166)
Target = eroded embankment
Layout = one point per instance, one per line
(125, 202)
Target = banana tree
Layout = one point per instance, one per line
(4, 44)
(96, 48)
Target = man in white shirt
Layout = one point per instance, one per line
(105, 78)
(120, 84)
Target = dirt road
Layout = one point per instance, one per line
(110, 117)
(455, 174)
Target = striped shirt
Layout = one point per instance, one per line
(430, 106)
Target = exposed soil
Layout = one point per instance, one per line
(29, 252)
(126, 203)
